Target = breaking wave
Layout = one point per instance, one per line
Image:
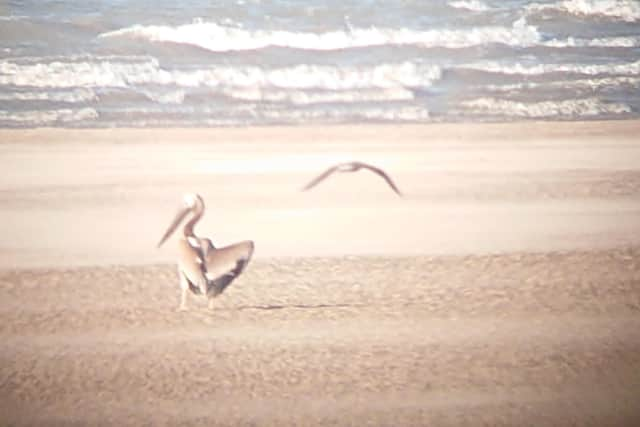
(13, 17)
(47, 117)
(298, 97)
(580, 84)
(403, 114)
(628, 68)
(573, 108)
(71, 96)
(472, 5)
(622, 10)
(112, 72)
(168, 97)
(83, 71)
(631, 41)
(219, 38)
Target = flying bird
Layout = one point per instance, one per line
(204, 269)
(352, 167)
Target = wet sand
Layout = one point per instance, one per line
(504, 289)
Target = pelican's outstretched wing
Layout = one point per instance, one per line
(383, 174)
(209, 271)
(224, 264)
(320, 177)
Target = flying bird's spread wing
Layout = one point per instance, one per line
(384, 176)
(352, 167)
(320, 177)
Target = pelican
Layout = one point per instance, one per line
(204, 269)
(352, 167)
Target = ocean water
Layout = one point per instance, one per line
(99, 63)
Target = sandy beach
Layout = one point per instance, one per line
(503, 289)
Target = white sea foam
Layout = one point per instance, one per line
(76, 95)
(12, 17)
(581, 84)
(630, 41)
(623, 10)
(47, 117)
(627, 68)
(83, 57)
(219, 38)
(473, 5)
(298, 97)
(171, 97)
(404, 114)
(116, 73)
(572, 108)
(339, 78)
(84, 72)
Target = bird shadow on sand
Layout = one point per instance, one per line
(270, 307)
(295, 306)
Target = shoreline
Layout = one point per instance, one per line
(542, 129)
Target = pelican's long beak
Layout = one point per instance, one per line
(176, 221)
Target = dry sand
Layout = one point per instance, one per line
(504, 289)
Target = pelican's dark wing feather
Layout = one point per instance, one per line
(212, 271)
(217, 286)
(320, 177)
(224, 265)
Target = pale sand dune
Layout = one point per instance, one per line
(503, 290)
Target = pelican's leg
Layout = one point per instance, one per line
(183, 299)
(203, 287)
(184, 291)
(212, 294)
